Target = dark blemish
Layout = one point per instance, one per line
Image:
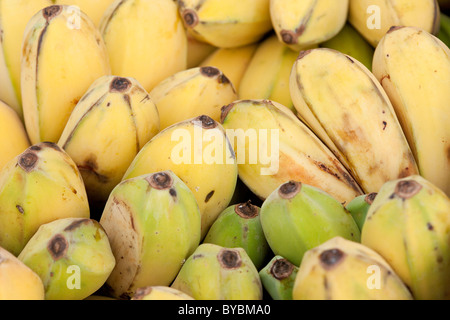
(384, 125)
(281, 269)
(119, 84)
(331, 258)
(50, 12)
(190, 18)
(90, 165)
(160, 181)
(229, 259)
(430, 226)
(108, 104)
(196, 256)
(20, 209)
(288, 36)
(76, 224)
(246, 210)
(206, 122)
(35, 148)
(208, 196)
(57, 247)
(51, 145)
(28, 160)
(351, 60)
(407, 188)
(289, 189)
(173, 192)
(224, 111)
(370, 197)
(209, 72)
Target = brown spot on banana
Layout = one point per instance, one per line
(160, 181)
(51, 12)
(281, 269)
(370, 197)
(289, 189)
(329, 259)
(246, 210)
(229, 259)
(407, 188)
(224, 111)
(205, 121)
(190, 18)
(20, 209)
(28, 160)
(208, 196)
(119, 84)
(57, 247)
(51, 145)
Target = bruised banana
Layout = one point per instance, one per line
(347, 108)
(412, 217)
(199, 153)
(38, 186)
(213, 272)
(273, 146)
(359, 207)
(414, 68)
(111, 102)
(54, 80)
(302, 24)
(191, 93)
(13, 137)
(14, 16)
(270, 68)
(340, 269)
(297, 217)
(72, 257)
(153, 224)
(373, 18)
(278, 278)
(226, 24)
(94, 9)
(17, 281)
(160, 293)
(145, 40)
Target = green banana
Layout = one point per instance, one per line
(278, 278)
(359, 206)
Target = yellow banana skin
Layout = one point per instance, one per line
(301, 24)
(54, 80)
(160, 293)
(153, 224)
(198, 151)
(40, 185)
(340, 269)
(94, 9)
(123, 117)
(13, 137)
(17, 281)
(347, 108)
(373, 18)
(139, 43)
(14, 16)
(226, 24)
(412, 217)
(267, 75)
(413, 67)
(296, 154)
(191, 93)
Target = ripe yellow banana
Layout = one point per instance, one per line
(17, 281)
(160, 293)
(191, 93)
(345, 105)
(302, 24)
(340, 269)
(267, 75)
(373, 18)
(61, 58)
(14, 16)
(124, 119)
(145, 40)
(414, 68)
(13, 137)
(197, 51)
(273, 146)
(94, 9)
(226, 24)
(232, 61)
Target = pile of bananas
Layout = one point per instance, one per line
(224, 149)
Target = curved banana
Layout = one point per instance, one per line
(347, 108)
(94, 9)
(413, 67)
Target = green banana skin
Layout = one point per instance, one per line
(359, 206)
(444, 31)
(278, 278)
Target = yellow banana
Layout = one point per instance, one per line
(301, 24)
(17, 281)
(14, 16)
(340, 269)
(345, 105)
(232, 61)
(145, 40)
(198, 151)
(94, 9)
(191, 93)
(160, 293)
(13, 137)
(226, 24)
(414, 68)
(373, 18)
(62, 56)
(197, 51)
(267, 75)
(273, 146)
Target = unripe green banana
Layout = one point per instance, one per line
(123, 117)
(350, 42)
(213, 272)
(413, 67)
(297, 217)
(267, 75)
(239, 226)
(359, 206)
(145, 40)
(302, 24)
(61, 58)
(273, 146)
(153, 223)
(199, 153)
(345, 105)
(408, 224)
(72, 257)
(191, 93)
(17, 281)
(38, 186)
(160, 293)
(373, 18)
(444, 30)
(94, 9)
(226, 24)
(345, 270)
(278, 278)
